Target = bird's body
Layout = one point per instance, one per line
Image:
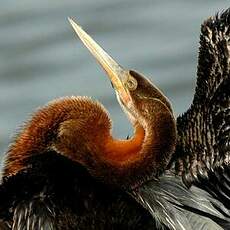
(66, 171)
(57, 193)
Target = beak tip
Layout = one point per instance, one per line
(77, 28)
(109, 65)
(72, 22)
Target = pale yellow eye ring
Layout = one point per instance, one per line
(131, 83)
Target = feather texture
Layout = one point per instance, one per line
(203, 145)
(177, 207)
(55, 192)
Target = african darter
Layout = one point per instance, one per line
(66, 171)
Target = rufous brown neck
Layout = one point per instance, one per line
(122, 152)
(80, 129)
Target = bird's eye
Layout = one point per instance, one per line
(131, 83)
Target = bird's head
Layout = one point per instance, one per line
(80, 129)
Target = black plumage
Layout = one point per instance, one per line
(193, 192)
(202, 153)
(57, 193)
(203, 150)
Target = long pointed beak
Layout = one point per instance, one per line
(115, 72)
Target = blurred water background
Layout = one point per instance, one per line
(41, 58)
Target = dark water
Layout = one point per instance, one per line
(41, 59)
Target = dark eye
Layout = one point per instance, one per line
(131, 83)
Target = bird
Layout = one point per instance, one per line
(65, 170)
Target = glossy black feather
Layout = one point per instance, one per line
(173, 204)
(203, 148)
(57, 193)
(194, 193)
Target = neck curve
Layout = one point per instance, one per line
(123, 152)
(88, 141)
(147, 153)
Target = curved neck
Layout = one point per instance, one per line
(121, 152)
(147, 153)
(87, 140)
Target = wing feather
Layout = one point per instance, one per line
(203, 148)
(33, 215)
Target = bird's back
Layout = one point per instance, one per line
(57, 193)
